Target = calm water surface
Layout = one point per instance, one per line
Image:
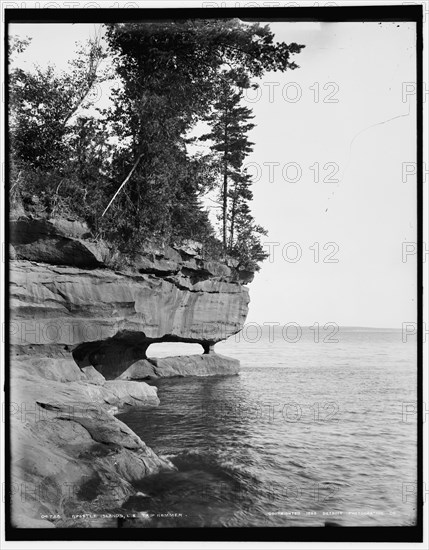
(309, 432)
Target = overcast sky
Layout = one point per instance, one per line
(337, 136)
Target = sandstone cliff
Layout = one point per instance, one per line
(82, 322)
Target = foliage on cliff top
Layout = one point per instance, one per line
(127, 169)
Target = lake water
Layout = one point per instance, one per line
(321, 429)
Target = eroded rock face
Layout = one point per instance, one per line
(79, 333)
(63, 295)
(72, 306)
(70, 454)
(47, 241)
(66, 242)
(110, 318)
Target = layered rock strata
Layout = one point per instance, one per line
(83, 318)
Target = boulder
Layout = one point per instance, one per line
(143, 369)
(93, 376)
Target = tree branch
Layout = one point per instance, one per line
(95, 57)
(123, 183)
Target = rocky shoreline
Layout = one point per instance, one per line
(80, 333)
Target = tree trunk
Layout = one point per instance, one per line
(225, 180)
(225, 205)
(231, 231)
(123, 184)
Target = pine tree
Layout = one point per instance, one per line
(173, 75)
(230, 125)
(240, 194)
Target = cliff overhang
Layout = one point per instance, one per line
(83, 318)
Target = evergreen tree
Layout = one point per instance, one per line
(128, 171)
(229, 127)
(240, 194)
(172, 74)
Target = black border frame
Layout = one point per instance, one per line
(385, 13)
